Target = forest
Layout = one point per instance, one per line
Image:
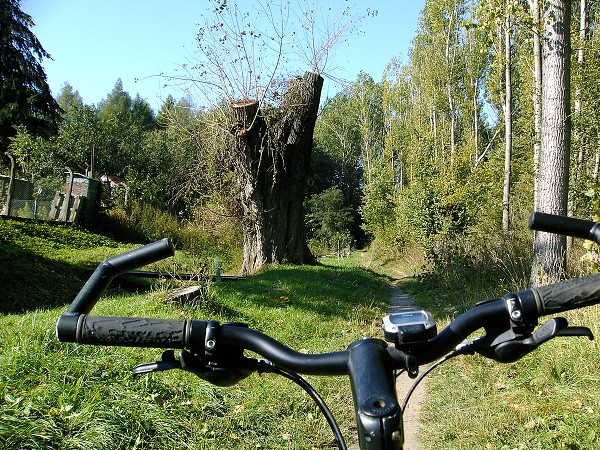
(452, 149)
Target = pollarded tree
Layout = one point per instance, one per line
(269, 114)
(272, 167)
(25, 97)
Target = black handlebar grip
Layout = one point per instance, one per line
(118, 265)
(551, 223)
(130, 331)
(141, 256)
(569, 294)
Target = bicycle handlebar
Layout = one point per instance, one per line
(569, 226)
(192, 334)
(118, 265)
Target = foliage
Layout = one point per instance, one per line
(328, 220)
(25, 98)
(33, 155)
(591, 258)
(379, 210)
(204, 239)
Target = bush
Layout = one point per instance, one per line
(474, 267)
(204, 239)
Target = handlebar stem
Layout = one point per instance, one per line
(378, 414)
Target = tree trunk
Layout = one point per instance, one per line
(537, 93)
(273, 155)
(476, 119)
(549, 258)
(507, 127)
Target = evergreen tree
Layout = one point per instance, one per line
(25, 97)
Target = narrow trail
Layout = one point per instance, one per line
(399, 299)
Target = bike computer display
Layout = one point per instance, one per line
(409, 326)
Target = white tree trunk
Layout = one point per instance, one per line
(507, 127)
(549, 259)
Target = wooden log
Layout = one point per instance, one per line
(184, 294)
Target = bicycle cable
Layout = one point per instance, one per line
(427, 371)
(293, 376)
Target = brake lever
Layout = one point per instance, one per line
(219, 376)
(514, 349)
(577, 331)
(167, 362)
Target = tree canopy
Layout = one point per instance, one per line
(25, 97)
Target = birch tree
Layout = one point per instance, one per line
(549, 259)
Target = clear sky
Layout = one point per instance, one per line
(95, 42)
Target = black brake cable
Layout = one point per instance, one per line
(461, 350)
(268, 366)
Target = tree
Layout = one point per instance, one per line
(328, 219)
(78, 138)
(270, 113)
(25, 97)
(123, 122)
(549, 257)
(69, 98)
(272, 154)
(506, 201)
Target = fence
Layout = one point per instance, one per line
(47, 204)
(29, 209)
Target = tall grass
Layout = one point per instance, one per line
(204, 239)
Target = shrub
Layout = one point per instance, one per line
(202, 238)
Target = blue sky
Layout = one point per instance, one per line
(95, 42)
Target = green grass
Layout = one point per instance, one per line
(68, 396)
(548, 399)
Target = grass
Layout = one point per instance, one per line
(68, 396)
(548, 399)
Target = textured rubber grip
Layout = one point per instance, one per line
(584, 229)
(569, 294)
(139, 332)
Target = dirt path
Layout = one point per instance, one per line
(403, 384)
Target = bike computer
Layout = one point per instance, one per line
(409, 326)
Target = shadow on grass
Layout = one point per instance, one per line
(325, 290)
(29, 281)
